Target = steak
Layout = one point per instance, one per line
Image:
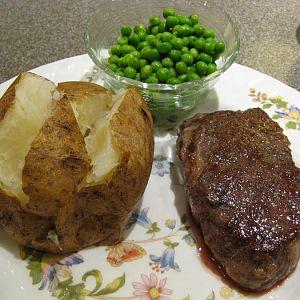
(243, 190)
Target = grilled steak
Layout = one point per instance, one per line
(244, 193)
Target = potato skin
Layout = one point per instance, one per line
(56, 164)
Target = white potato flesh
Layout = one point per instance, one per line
(93, 114)
(34, 99)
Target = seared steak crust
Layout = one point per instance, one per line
(244, 192)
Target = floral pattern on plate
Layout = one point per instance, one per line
(282, 109)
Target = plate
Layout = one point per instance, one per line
(158, 258)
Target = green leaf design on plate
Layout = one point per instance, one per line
(112, 287)
(291, 125)
(266, 106)
(153, 228)
(35, 268)
(283, 104)
(170, 244)
(276, 117)
(66, 291)
(187, 297)
(98, 278)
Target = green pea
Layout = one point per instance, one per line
(167, 62)
(156, 65)
(120, 72)
(193, 76)
(139, 28)
(208, 33)
(194, 19)
(154, 21)
(142, 63)
(145, 52)
(146, 71)
(181, 67)
(171, 21)
(185, 50)
(133, 62)
(177, 43)
(114, 59)
(126, 30)
(172, 72)
(142, 35)
(164, 47)
(116, 50)
(198, 30)
(184, 30)
(168, 11)
(183, 77)
(153, 54)
(210, 39)
(154, 30)
(136, 53)
(113, 67)
(127, 49)
(122, 40)
(184, 20)
(199, 44)
(175, 55)
(134, 39)
(192, 41)
(151, 79)
(195, 53)
(220, 47)
(175, 29)
(209, 47)
(122, 62)
(142, 45)
(211, 68)
(166, 36)
(130, 72)
(187, 58)
(185, 41)
(150, 38)
(201, 67)
(163, 74)
(205, 57)
(173, 80)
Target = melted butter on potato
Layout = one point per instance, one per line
(33, 100)
(93, 112)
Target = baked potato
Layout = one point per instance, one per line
(74, 161)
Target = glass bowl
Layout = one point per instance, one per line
(169, 103)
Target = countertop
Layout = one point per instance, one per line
(37, 32)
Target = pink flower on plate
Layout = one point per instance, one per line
(264, 96)
(150, 288)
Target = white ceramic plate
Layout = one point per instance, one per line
(158, 260)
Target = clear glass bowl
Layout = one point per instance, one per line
(169, 103)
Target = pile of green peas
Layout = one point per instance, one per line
(174, 50)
